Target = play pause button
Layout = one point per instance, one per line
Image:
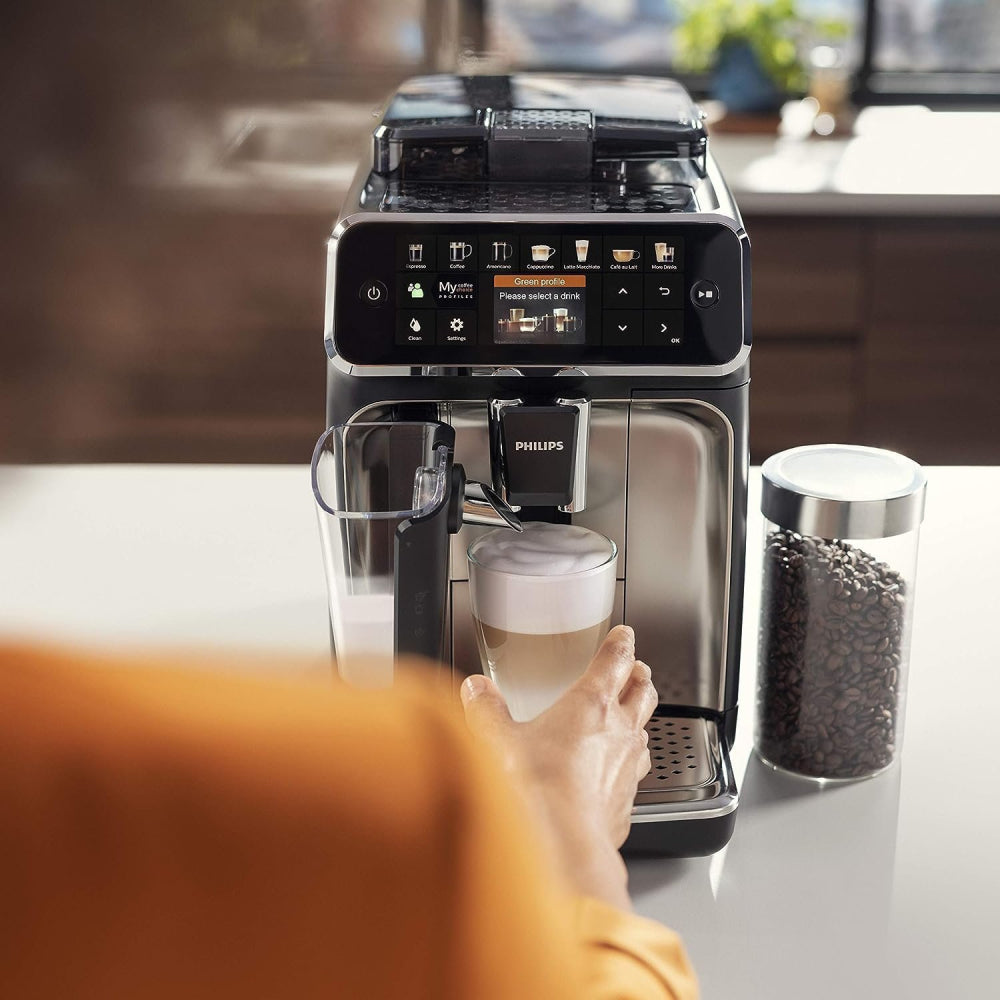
(704, 293)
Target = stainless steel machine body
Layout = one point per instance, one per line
(651, 420)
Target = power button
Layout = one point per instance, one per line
(373, 292)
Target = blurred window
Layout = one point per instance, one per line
(931, 51)
(322, 34)
(636, 35)
(937, 35)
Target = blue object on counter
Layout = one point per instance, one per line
(739, 81)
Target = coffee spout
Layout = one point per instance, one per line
(483, 506)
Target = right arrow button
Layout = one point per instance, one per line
(663, 328)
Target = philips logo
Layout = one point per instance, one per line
(538, 446)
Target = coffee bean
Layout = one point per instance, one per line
(833, 620)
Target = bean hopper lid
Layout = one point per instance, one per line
(843, 491)
(642, 134)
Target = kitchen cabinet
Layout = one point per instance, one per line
(880, 331)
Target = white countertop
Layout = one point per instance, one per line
(883, 888)
(898, 161)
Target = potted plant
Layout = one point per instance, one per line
(752, 49)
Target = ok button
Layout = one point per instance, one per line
(373, 292)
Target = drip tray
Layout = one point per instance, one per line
(691, 772)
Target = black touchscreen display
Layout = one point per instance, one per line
(439, 293)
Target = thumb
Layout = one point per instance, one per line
(486, 712)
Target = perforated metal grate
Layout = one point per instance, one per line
(417, 196)
(543, 120)
(681, 753)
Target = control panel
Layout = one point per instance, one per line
(419, 293)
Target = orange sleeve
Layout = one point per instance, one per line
(628, 956)
(171, 834)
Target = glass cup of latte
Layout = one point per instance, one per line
(541, 604)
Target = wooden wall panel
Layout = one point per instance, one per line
(932, 343)
(931, 394)
(801, 393)
(808, 276)
(941, 272)
(157, 334)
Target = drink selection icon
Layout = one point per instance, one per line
(624, 256)
(416, 253)
(459, 251)
(502, 252)
(582, 249)
(664, 253)
(541, 252)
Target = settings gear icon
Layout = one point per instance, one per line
(457, 324)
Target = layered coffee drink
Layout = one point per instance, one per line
(541, 604)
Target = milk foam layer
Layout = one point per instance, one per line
(542, 549)
(548, 578)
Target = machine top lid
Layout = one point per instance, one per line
(442, 98)
(590, 119)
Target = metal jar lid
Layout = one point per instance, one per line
(843, 491)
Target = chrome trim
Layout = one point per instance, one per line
(579, 485)
(498, 462)
(674, 371)
(727, 204)
(331, 271)
(625, 371)
(693, 812)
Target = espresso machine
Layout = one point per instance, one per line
(538, 308)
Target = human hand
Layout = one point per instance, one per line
(578, 763)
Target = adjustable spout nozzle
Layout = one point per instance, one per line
(483, 506)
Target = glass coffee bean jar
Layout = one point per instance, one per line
(840, 553)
